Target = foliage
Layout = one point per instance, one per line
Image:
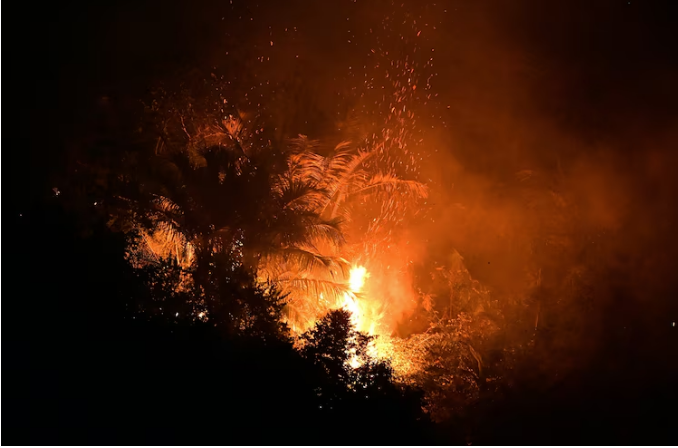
(355, 385)
(289, 221)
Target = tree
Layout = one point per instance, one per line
(213, 186)
(355, 387)
(220, 198)
(351, 191)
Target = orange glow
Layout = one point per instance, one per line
(357, 278)
(351, 303)
(367, 316)
(356, 282)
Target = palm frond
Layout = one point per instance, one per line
(306, 259)
(164, 242)
(234, 127)
(312, 287)
(390, 183)
(344, 168)
(341, 175)
(295, 194)
(328, 231)
(302, 144)
(166, 205)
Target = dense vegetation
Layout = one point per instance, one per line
(127, 361)
(566, 337)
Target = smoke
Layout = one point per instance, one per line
(557, 156)
(547, 145)
(547, 139)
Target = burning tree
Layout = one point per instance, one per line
(244, 233)
(226, 209)
(291, 216)
(346, 190)
(216, 204)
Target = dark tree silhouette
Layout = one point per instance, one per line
(356, 389)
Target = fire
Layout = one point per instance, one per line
(357, 278)
(356, 282)
(363, 316)
(366, 318)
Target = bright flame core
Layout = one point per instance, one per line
(357, 308)
(356, 283)
(357, 278)
(367, 316)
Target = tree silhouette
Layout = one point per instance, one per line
(355, 387)
(213, 185)
(214, 201)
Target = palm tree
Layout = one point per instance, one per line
(218, 194)
(287, 219)
(343, 184)
(345, 176)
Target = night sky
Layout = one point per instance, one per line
(600, 71)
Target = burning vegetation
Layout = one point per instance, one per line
(241, 214)
(304, 230)
(330, 214)
(224, 202)
(316, 228)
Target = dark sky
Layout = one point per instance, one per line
(598, 69)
